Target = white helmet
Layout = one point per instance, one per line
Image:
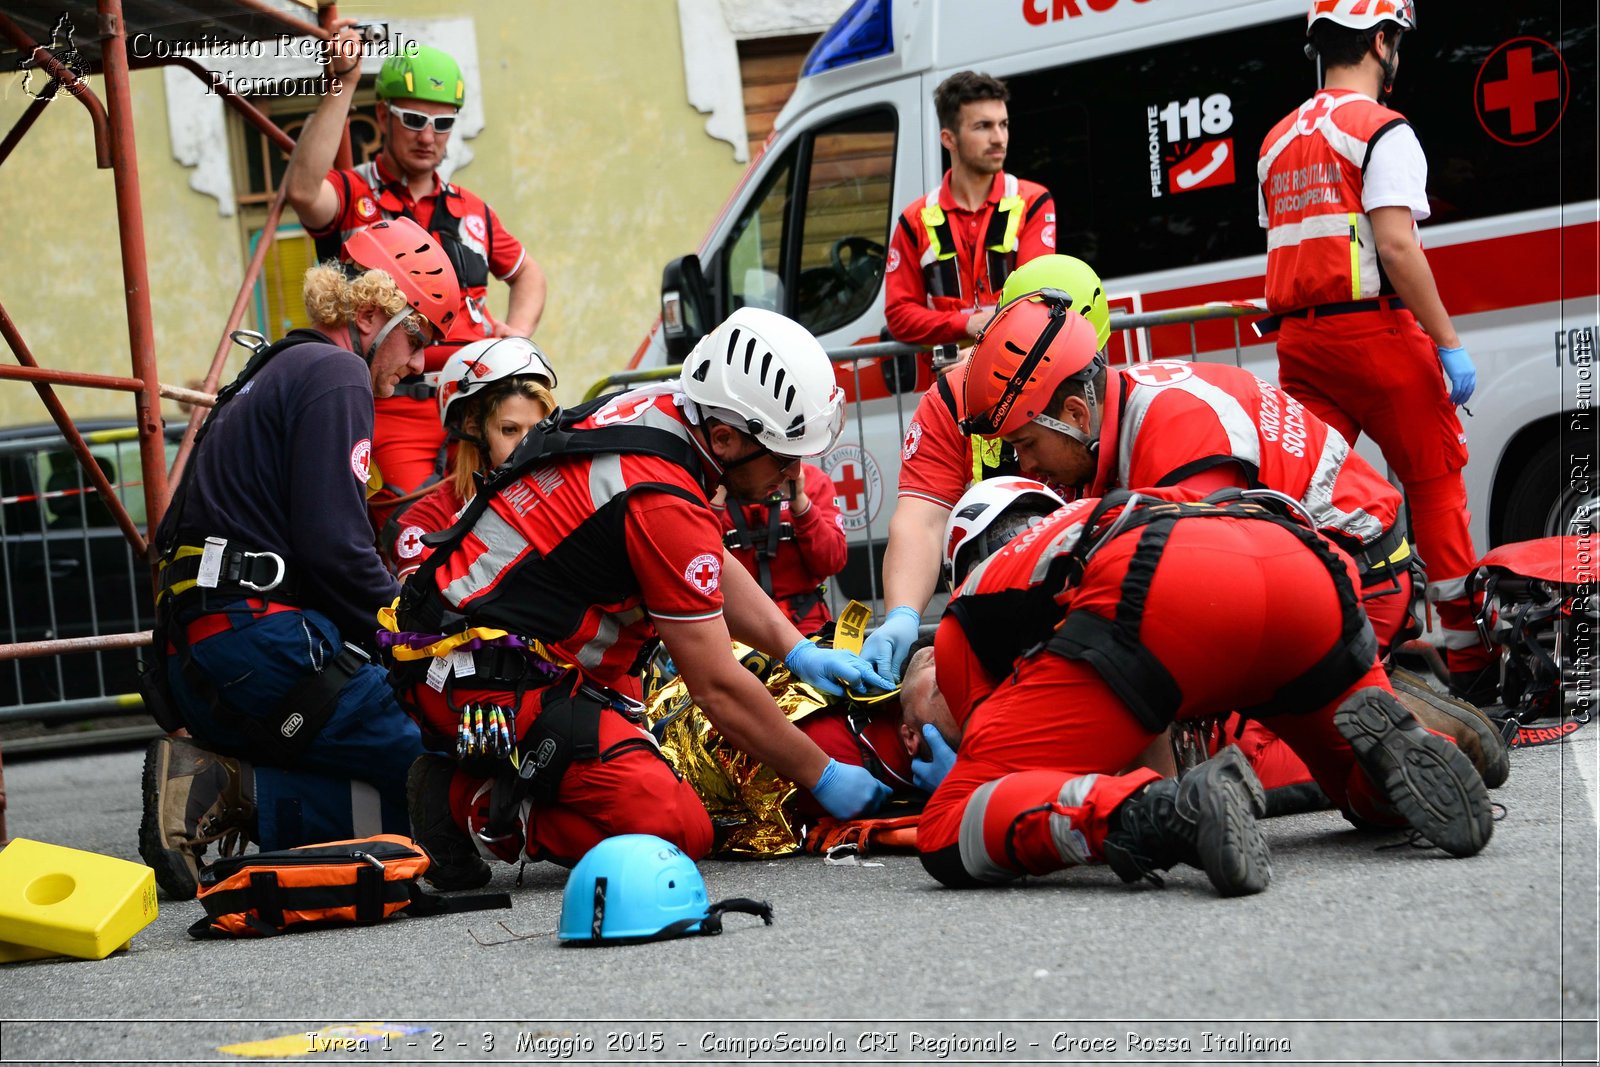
(1362, 14)
(767, 375)
(965, 540)
(482, 362)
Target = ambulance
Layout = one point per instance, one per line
(1145, 119)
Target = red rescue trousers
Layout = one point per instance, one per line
(1377, 372)
(629, 790)
(1236, 610)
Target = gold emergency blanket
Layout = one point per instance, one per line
(751, 806)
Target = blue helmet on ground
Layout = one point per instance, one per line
(637, 887)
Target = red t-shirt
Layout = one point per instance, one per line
(936, 457)
(434, 512)
(481, 231)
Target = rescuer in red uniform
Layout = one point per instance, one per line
(1364, 340)
(1094, 627)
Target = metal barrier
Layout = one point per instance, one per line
(905, 369)
(76, 603)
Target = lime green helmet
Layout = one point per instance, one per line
(421, 72)
(1072, 276)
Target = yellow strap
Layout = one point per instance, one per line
(1355, 258)
(1398, 556)
(1012, 206)
(184, 551)
(388, 619)
(932, 218)
(374, 479)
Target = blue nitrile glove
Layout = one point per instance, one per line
(848, 791)
(825, 668)
(927, 774)
(1463, 375)
(888, 646)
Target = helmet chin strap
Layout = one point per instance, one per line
(1386, 87)
(1089, 439)
(394, 320)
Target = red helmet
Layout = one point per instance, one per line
(1032, 345)
(413, 258)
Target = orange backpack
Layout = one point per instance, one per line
(338, 883)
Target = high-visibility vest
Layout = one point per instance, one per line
(941, 274)
(1320, 246)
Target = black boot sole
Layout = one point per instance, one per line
(172, 873)
(1232, 849)
(1426, 777)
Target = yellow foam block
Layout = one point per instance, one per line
(67, 901)
(11, 952)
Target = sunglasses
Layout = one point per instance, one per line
(417, 121)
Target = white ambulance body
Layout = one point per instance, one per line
(1145, 119)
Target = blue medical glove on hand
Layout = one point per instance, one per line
(888, 646)
(928, 773)
(1463, 375)
(848, 791)
(827, 668)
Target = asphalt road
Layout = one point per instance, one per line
(1357, 953)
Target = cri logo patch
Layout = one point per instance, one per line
(704, 572)
(361, 459)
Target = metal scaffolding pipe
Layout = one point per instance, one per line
(71, 377)
(74, 86)
(135, 271)
(74, 439)
(64, 645)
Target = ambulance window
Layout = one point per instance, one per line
(848, 202)
(1151, 155)
(754, 259)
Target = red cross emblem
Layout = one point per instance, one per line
(1522, 97)
(852, 487)
(1320, 105)
(1159, 374)
(704, 572)
(409, 544)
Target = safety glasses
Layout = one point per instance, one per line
(417, 121)
(417, 333)
(988, 423)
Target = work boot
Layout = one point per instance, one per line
(192, 798)
(1205, 818)
(1475, 733)
(456, 863)
(1427, 779)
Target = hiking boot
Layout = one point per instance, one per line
(1427, 779)
(456, 863)
(1205, 818)
(1475, 733)
(192, 798)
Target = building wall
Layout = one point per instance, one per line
(590, 153)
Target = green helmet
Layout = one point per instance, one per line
(1072, 276)
(421, 72)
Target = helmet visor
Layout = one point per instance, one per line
(828, 421)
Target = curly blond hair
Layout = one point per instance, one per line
(332, 299)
